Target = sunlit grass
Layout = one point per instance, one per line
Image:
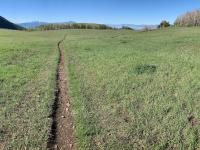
(129, 89)
(28, 64)
(135, 90)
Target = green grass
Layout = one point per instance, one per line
(135, 90)
(28, 62)
(129, 89)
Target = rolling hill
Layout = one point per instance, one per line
(4, 23)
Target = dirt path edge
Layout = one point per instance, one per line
(62, 130)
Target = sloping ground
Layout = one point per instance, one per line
(135, 90)
(28, 62)
(4, 23)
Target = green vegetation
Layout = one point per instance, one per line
(129, 89)
(28, 62)
(73, 26)
(142, 93)
(164, 24)
(146, 68)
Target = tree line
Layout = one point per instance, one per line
(191, 18)
(73, 26)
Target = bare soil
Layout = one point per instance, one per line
(1, 146)
(62, 133)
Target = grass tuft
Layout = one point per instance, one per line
(146, 68)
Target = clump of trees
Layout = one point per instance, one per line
(191, 18)
(164, 24)
(73, 26)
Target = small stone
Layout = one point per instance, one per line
(70, 145)
(63, 116)
(68, 104)
(67, 109)
(55, 146)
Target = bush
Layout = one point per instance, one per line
(164, 24)
(145, 68)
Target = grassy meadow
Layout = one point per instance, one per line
(28, 62)
(128, 89)
(135, 90)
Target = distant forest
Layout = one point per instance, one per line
(72, 26)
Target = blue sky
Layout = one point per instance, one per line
(98, 11)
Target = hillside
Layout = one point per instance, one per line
(4, 23)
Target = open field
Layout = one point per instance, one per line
(28, 64)
(135, 90)
(129, 89)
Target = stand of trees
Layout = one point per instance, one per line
(164, 24)
(73, 26)
(191, 18)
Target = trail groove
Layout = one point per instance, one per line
(62, 131)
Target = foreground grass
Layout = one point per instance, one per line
(130, 90)
(135, 90)
(28, 64)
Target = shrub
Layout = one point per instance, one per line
(164, 24)
(145, 68)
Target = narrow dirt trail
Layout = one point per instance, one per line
(62, 128)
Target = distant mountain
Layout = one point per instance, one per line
(34, 24)
(5, 24)
(68, 22)
(133, 26)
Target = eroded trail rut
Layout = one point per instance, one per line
(62, 132)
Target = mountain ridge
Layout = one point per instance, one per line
(6, 24)
(34, 24)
